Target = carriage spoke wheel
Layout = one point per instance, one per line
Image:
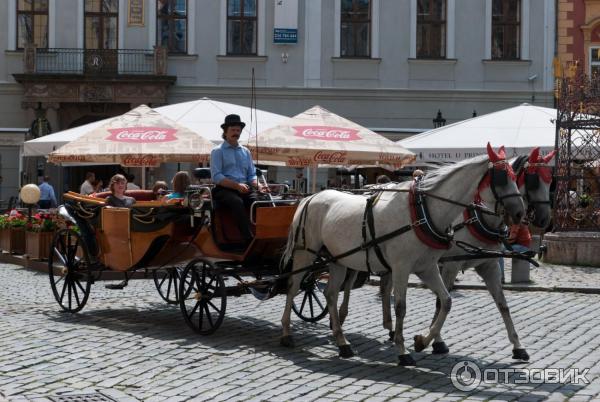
(69, 270)
(202, 296)
(310, 303)
(167, 284)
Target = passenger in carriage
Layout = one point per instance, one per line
(117, 198)
(159, 190)
(234, 174)
(181, 181)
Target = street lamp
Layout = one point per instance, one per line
(30, 195)
(439, 121)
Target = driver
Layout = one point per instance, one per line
(234, 174)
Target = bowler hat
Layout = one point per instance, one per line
(233, 120)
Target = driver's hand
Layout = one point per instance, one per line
(243, 188)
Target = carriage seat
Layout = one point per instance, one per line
(139, 195)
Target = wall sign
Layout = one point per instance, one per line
(135, 15)
(285, 27)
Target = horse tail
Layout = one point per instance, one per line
(294, 230)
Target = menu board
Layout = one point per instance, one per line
(135, 13)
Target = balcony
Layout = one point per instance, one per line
(95, 62)
(58, 75)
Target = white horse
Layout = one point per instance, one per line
(533, 178)
(332, 222)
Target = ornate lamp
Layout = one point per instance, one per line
(439, 121)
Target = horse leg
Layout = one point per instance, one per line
(337, 274)
(385, 291)
(400, 286)
(448, 271)
(432, 279)
(490, 273)
(353, 274)
(301, 259)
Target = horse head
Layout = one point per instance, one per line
(534, 178)
(499, 186)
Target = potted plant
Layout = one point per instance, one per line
(15, 238)
(585, 200)
(39, 233)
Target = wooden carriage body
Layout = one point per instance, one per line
(153, 234)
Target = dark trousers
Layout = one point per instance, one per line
(237, 203)
(45, 204)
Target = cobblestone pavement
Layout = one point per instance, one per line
(546, 276)
(129, 345)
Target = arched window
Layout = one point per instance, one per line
(506, 29)
(101, 24)
(172, 25)
(32, 23)
(242, 29)
(431, 29)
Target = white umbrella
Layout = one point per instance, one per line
(204, 116)
(519, 129)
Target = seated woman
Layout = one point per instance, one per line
(159, 189)
(117, 198)
(181, 181)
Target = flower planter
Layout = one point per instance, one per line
(38, 244)
(12, 240)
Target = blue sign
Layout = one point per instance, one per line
(285, 35)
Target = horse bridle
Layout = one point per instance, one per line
(499, 177)
(531, 181)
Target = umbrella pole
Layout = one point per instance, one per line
(313, 178)
(143, 177)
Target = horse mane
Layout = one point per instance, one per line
(519, 163)
(434, 177)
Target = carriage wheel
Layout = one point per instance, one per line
(202, 296)
(69, 270)
(167, 284)
(310, 303)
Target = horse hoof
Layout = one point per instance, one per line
(392, 334)
(287, 341)
(440, 348)
(346, 351)
(406, 360)
(520, 354)
(419, 344)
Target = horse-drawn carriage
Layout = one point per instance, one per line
(191, 247)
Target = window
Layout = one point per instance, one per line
(241, 27)
(595, 62)
(355, 28)
(32, 23)
(101, 24)
(506, 29)
(172, 25)
(431, 29)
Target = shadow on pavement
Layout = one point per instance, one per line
(314, 351)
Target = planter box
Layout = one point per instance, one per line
(38, 244)
(13, 240)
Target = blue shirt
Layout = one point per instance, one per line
(47, 193)
(233, 163)
(174, 195)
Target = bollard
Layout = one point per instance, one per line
(520, 271)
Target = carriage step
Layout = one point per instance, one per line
(119, 285)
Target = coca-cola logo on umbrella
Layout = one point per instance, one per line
(326, 133)
(142, 135)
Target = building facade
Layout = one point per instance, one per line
(578, 35)
(389, 65)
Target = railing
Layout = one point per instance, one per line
(96, 62)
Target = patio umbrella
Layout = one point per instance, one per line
(204, 116)
(141, 137)
(519, 129)
(320, 137)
